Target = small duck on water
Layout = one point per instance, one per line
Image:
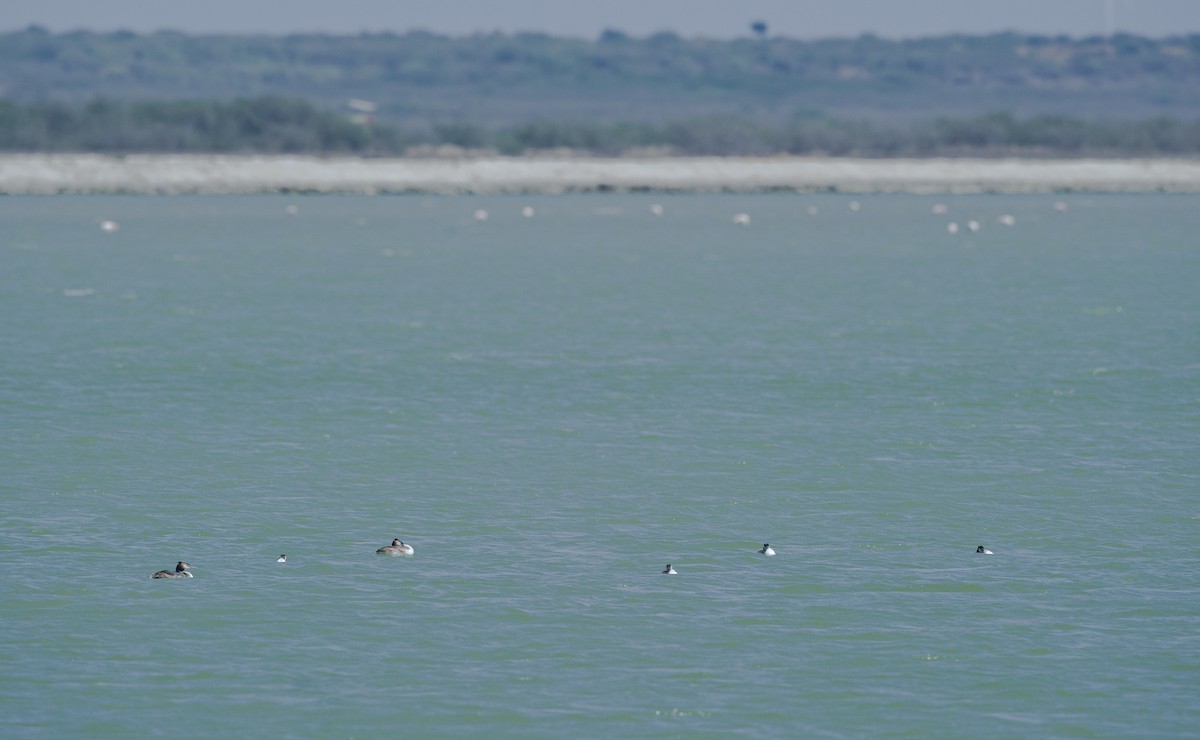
(396, 548)
(671, 571)
(983, 550)
(282, 559)
(181, 571)
(766, 550)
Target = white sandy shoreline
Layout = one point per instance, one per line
(22, 174)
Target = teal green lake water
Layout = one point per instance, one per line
(551, 409)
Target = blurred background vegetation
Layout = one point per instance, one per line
(388, 94)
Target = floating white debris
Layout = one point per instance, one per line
(973, 225)
(109, 226)
(741, 219)
(1006, 220)
(656, 209)
(480, 215)
(940, 209)
(1060, 206)
(855, 206)
(952, 227)
(812, 210)
(527, 211)
(292, 210)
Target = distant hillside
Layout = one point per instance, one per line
(421, 80)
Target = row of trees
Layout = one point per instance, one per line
(289, 125)
(263, 125)
(427, 58)
(527, 76)
(989, 135)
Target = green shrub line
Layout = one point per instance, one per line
(285, 125)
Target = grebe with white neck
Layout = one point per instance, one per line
(181, 571)
(281, 559)
(670, 571)
(396, 548)
(766, 550)
(983, 550)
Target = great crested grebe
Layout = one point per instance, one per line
(396, 548)
(181, 571)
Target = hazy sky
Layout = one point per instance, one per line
(587, 18)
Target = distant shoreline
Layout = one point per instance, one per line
(45, 174)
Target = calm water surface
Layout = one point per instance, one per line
(550, 409)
